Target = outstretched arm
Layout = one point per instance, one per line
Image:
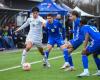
(23, 26)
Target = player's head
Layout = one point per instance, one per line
(83, 22)
(92, 22)
(35, 11)
(50, 18)
(75, 14)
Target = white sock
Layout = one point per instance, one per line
(72, 67)
(67, 63)
(23, 56)
(86, 70)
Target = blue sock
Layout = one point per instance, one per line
(85, 61)
(46, 53)
(97, 61)
(65, 52)
(70, 60)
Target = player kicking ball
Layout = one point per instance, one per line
(34, 36)
(91, 33)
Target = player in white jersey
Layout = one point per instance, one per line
(34, 36)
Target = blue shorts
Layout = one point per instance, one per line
(76, 43)
(59, 41)
(94, 47)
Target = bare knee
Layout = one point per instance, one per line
(40, 50)
(28, 46)
(49, 47)
(63, 47)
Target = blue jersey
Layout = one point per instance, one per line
(92, 31)
(54, 29)
(78, 40)
(76, 27)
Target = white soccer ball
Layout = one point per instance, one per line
(26, 67)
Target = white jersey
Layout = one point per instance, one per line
(35, 32)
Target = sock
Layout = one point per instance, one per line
(46, 53)
(23, 56)
(70, 60)
(97, 61)
(85, 62)
(65, 52)
(86, 70)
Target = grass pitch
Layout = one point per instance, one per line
(38, 72)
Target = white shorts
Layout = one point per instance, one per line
(34, 41)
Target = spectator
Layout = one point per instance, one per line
(7, 36)
(69, 28)
(1, 40)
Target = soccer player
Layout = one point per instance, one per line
(34, 36)
(91, 33)
(76, 22)
(54, 35)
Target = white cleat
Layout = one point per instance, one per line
(66, 65)
(96, 74)
(84, 74)
(70, 69)
(46, 62)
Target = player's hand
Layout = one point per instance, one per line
(15, 31)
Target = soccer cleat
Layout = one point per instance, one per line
(84, 74)
(96, 74)
(45, 62)
(66, 65)
(70, 69)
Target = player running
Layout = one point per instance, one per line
(91, 33)
(34, 36)
(54, 35)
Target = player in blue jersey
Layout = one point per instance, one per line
(91, 33)
(72, 45)
(54, 35)
(76, 22)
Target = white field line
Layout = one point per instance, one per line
(15, 67)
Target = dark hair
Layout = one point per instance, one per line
(83, 21)
(92, 22)
(35, 9)
(76, 13)
(50, 15)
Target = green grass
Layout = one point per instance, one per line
(38, 72)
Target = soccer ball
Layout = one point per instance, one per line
(26, 66)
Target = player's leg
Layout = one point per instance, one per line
(51, 42)
(24, 53)
(68, 58)
(85, 54)
(97, 61)
(45, 60)
(60, 42)
(49, 48)
(68, 62)
(92, 48)
(85, 64)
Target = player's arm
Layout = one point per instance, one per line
(87, 38)
(23, 26)
(43, 22)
